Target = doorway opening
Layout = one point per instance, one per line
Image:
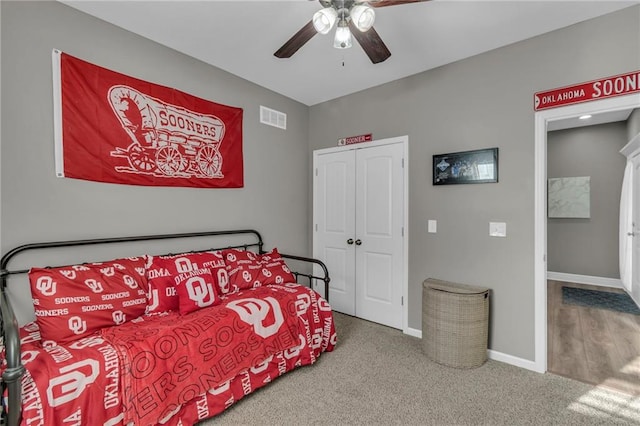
(543, 119)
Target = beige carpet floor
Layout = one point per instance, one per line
(380, 376)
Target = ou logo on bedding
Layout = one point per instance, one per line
(109, 271)
(73, 381)
(95, 286)
(154, 299)
(46, 286)
(255, 312)
(130, 282)
(200, 291)
(71, 274)
(118, 317)
(223, 280)
(303, 301)
(77, 325)
(183, 265)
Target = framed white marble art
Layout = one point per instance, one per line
(569, 197)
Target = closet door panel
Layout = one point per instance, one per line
(379, 221)
(335, 225)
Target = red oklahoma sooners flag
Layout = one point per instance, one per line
(118, 129)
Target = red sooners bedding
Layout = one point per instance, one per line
(175, 369)
(76, 384)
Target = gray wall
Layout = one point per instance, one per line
(37, 206)
(480, 102)
(588, 151)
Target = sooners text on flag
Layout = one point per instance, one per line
(114, 128)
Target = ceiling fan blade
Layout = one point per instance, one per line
(297, 41)
(383, 3)
(371, 43)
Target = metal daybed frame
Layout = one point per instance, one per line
(11, 408)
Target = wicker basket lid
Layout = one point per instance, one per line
(450, 287)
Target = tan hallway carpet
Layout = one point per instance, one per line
(380, 376)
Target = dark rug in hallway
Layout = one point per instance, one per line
(620, 302)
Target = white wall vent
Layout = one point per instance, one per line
(273, 118)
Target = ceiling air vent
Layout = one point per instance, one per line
(273, 118)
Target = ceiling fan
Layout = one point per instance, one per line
(350, 17)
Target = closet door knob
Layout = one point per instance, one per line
(350, 241)
(358, 242)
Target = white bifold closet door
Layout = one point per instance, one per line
(358, 230)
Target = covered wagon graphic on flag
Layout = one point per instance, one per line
(167, 140)
(113, 128)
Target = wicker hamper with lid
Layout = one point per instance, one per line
(455, 323)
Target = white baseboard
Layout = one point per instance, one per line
(413, 332)
(494, 355)
(513, 360)
(585, 279)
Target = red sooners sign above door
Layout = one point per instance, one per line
(617, 85)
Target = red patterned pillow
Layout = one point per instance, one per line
(196, 290)
(74, 301)
(165, 272)
(247, 269)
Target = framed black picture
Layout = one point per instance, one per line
(479, 166)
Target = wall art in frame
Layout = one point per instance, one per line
(478, 166)
(569, 197)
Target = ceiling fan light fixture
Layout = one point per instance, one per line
(342, 39)
(324, 19)
(363, 16)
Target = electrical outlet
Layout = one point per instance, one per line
(497, 229)
(432, 226)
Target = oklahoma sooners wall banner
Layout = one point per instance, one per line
(617, 85)
(113, 128)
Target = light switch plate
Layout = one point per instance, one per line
(432, 226)
(497, 229)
